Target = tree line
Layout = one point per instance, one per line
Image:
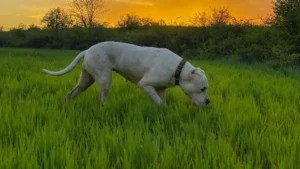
(89, 14)
(214, 35)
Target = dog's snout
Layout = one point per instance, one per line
(207, 101)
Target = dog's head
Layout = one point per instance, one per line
(195, 87)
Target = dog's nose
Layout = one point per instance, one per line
(207, 101)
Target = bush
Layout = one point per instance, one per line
(247, 43)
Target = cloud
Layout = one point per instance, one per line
(137, 2)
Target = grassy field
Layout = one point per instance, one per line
(253, 120)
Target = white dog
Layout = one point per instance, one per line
(152, 69)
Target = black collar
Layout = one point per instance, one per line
(178, 71)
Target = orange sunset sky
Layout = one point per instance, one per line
(14, 12)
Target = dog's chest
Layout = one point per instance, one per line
(129, 75)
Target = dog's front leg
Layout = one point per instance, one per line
(161, 92)
(150, 91)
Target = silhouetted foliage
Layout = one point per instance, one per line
(217, 16)
(214, 36)
(129, 21)
(220, 16)
(287, 15)
(132, 21)
(200, 19)
(57, 18)
(88, 13)
(246, 43)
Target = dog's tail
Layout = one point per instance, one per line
(69, 68)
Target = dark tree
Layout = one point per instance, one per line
(129, 21)
(220, 16)
(287, 15)
(56, 18)
(199, 19)
(87, 12)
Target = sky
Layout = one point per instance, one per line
(14, 12)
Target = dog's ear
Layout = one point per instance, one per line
(200, 70)
(192, 74)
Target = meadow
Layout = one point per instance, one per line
(253, 120)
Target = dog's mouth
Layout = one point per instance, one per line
(202, 105)
(197, 104)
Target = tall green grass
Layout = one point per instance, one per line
(253, 120)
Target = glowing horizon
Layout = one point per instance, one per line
(12, 13)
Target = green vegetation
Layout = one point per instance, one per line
(249, 44)
(252, 122)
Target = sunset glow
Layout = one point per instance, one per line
(14, 12)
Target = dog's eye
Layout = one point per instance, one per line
(203, 89)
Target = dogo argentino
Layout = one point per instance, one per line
(152, 69)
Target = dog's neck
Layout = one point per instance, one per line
(184, 75)
(178, 71)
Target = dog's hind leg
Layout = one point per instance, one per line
(85, 81)
(103, 80)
